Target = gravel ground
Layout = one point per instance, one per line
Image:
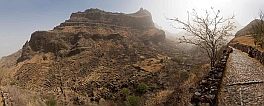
(243, 82)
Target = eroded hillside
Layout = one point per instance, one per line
(102, 58)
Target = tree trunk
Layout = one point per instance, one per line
(212, 62)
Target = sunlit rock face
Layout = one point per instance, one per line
(139, 20)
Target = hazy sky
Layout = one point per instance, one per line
(20, 18)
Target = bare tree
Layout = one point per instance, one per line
(257, 30)
(208, 31)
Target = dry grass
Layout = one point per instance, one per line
(7, 74)
(158, 98)
(246, 40)
(194, 77)
(150, 65)
(3, 75)
(23, 97)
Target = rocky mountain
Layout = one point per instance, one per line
(92, 25)
(101, 58)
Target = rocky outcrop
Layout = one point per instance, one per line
(91, 17)
(27, 52)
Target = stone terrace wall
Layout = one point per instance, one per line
(252, 52)
(206, 92)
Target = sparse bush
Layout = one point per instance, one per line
(133, 101)
(51, 102)
(44, 57)
(177, 59)
(126, 91)
(23, 97)
(184, 75)
(142, 87)
(176, 64)
(13, 83)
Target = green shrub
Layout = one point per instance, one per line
(51, 102)
(178, 58)
(142, 87)
(133, 101)
(126, 91)
(184, 75)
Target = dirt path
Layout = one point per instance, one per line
(243, 82)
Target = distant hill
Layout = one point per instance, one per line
(245, 37)
(11, 60)
(247, 28)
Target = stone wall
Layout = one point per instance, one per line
(6, 99)
(252, 52)
(205, 94)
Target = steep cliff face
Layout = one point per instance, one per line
(84, 29)
(139, 20)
